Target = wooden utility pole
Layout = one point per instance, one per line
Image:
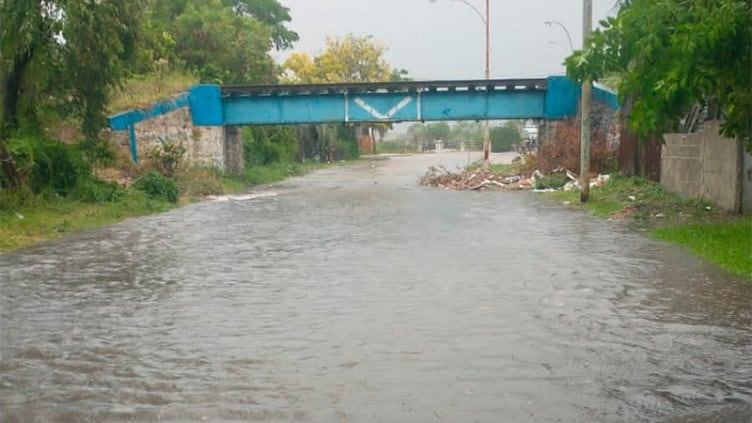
(486, 130)
(587, 85)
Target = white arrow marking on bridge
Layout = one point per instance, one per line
(375, 113)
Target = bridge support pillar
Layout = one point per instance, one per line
(233, 150)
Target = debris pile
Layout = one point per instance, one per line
(475, 179)
(479, 179)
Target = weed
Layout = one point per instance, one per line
(157, 187)
(555, 181)
(166, 157)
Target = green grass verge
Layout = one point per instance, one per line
(637, 198)
(32, 220)
(722, 239)
(726, 244)
(42, 219)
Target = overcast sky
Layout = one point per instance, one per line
(444, 39)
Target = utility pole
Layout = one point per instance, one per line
(486, 130)
(485, 18)
(587, 85)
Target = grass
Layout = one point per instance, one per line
(41, 219)
(726, 244)
(143, 90)
(637, 198)
(721, 238)
(24, 223)
(511, 169)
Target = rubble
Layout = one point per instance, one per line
(472, 180)
(479, 179)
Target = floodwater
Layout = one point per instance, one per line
(355, 295)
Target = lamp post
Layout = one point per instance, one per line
(485, 19)
(569, 37)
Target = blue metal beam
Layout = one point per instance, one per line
(129, 119)
(552, 98)
(122, 121)
(555, 97)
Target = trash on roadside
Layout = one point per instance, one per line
(479, 179)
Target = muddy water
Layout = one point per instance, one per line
(354, 295)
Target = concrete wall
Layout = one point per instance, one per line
(703, 165)
(204, 145)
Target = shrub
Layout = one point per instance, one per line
(166, 157)
(269, 144)
(554, 181)
(95, 190)
(48, 166)
(197, 181)
(564, 150)
(157, 187)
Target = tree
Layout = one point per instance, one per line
(272, 14)
(437, 131)
(225, 41)
(222, 46)
(670, 55)
(505, 137)
(467, 131)
(347, 59)
(62, 56)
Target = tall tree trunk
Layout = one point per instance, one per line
(11, 95)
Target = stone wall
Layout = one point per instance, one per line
(747, 183)
(704, 165)
(204, 145)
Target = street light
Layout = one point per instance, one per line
(484, 18)
(550, 23)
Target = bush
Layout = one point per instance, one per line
(564, 150)
(269, 144)
(555, 181)
(157, 187)
(504, 138)
(93, 190)
(166, 157)
(49, 166)
(197, 181)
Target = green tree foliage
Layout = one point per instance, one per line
(672, 54)
(61, 57)
(158, 187)
(467, 131)
(427, 133)
(269, 144)
(222, 46)
(272, 14)
(505, 137)
(437, 131)
(67, 53)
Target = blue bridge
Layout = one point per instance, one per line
(551, 98)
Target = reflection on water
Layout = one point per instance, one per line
(354, 295)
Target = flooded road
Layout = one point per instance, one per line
(353, 295)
